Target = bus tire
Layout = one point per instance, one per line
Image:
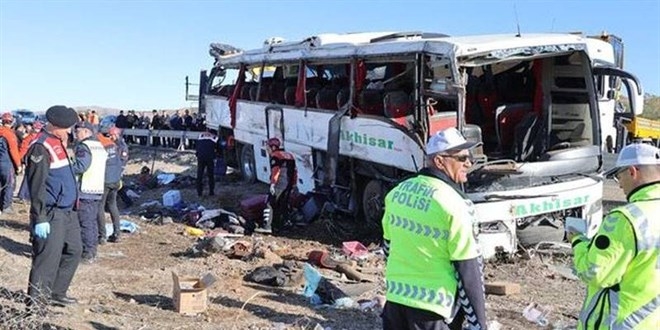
(372, 202)
(246, 159)
(543, 231)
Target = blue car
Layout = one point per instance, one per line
(24, 116)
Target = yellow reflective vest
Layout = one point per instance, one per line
(428, 225)
(621, 266)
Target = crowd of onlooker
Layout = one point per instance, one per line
(154, 120)
(161, 121)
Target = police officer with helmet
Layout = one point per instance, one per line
(433, 269)
(55, 234)
(621, 263)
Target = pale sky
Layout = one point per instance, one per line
(136, 54)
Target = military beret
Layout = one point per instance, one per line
(61, 116)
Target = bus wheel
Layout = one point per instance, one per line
(373, 196)
(247, 164)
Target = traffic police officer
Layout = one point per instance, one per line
(55, 235)
(89, 165)
(283, 178)
(621, 264)
(433, 260)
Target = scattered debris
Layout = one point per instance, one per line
(267, 275)
(537, 314)
(124, 226)
(502, 288)
(564, 272)
(172, 198)
(320, 291)
(355, 250)
(165, 178)
(193, 231)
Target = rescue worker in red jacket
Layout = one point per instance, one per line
(25, 144)
(283, 178)
(10, 162)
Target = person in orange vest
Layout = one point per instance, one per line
(93, 118)
(283, 178)
(27, 140)
(10, 162)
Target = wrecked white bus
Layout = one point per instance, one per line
(357, 109)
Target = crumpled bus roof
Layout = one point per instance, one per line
(503, 45)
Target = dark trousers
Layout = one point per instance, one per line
(109, 203)
(7, 185)
(207, 166)
(55, 258)
(401, 317)
(88, 212)
(155, 141)
(277, 208)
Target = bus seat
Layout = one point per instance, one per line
(473, 133)
(311, 97)
(277, 91)
(529, 137)
(326, 98)
(342, 97)
(371, 102)
(290, 95)
(507, 117)
(397, 104)
(226, 90)
(264, 93)
(245, 91)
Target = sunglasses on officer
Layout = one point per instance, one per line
(459, 158)
(616, 174)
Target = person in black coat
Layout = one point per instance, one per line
(206, 151)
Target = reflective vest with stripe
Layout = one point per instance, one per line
(428, 224)
(92, 181)
(633, 303)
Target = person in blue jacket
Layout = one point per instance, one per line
(89, 166)
(55, 231)
(114, 168)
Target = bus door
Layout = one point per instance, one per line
(274, 118)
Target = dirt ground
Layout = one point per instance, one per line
(130, 286)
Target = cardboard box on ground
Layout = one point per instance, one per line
(189, 294)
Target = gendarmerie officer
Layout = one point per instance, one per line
(55, 235)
